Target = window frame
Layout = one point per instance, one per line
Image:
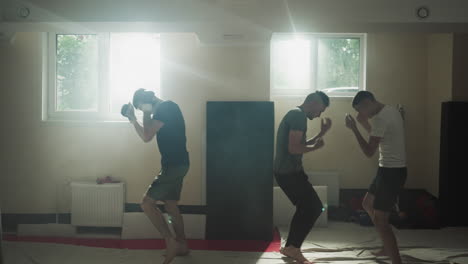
(103, 112)
(293, 93)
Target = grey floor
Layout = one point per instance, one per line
(339, 243)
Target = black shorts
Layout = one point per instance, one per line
(298, 189)
(386, 187)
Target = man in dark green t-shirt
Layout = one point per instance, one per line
(291, 144)
(165, 120)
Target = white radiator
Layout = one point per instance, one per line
(97, 204)
(331, 179)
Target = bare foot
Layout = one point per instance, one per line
(296, 254)
(183, 249)
(379, 253)
(171, 250)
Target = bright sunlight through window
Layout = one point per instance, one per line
(304, 63)
(134, 63)
(96, 74)
(293, 64)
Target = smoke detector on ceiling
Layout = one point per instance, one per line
(422, 12)
(23, 12)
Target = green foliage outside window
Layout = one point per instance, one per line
(77, 72)
(338, 63)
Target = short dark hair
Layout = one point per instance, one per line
(318, 94)
(362, 95)
(141, 96)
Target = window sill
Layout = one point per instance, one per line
(85, 123)
(302, 97)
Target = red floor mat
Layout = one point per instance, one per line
(194, 244)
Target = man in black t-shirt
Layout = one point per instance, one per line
(165, 120)
(291, 145)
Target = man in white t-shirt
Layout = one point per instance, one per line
(386, 132)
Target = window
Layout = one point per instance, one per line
(332, 63)
(92, 75)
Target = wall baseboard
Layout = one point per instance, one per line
(11, 221)
(184, 209)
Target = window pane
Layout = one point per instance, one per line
(134, 63)
(76, 73)
(291, 64)
(338, 65)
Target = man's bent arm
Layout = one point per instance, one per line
(149, 129)
(295, 145)
(369, 148)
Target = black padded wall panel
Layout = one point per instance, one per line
(453, 176)
(240, 140)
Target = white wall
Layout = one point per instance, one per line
(264, 12)
(396, 74)
(40, 158)
(439, 89)
(193, 74)
(254, 20)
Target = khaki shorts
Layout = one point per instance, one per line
(168, 184)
